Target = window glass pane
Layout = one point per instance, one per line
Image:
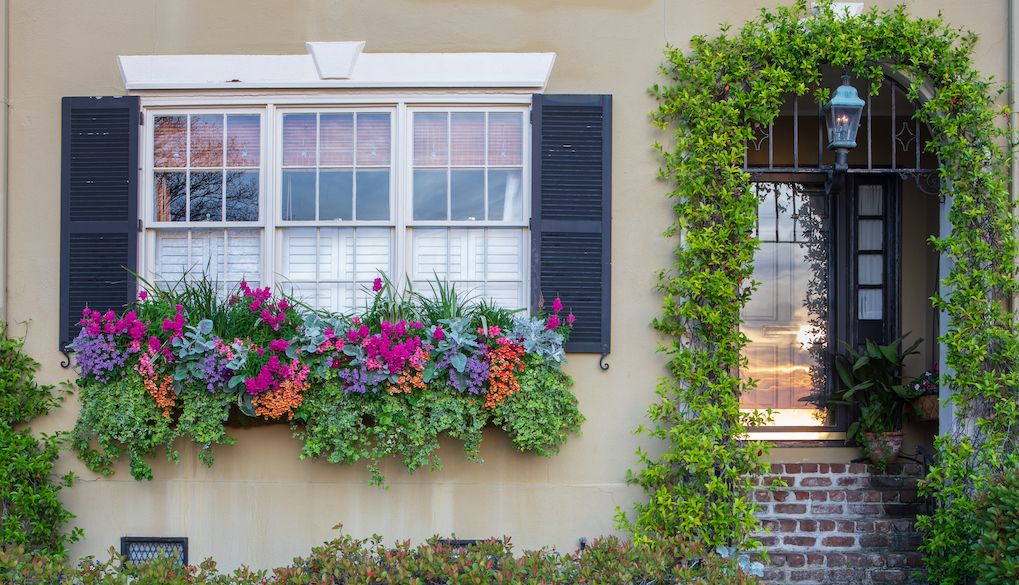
(336, 140)
(171, 196)
(242, 195)
(505, 138)
(870, 200)
(207, 141)
(505, 195)
(169, 147)
(243, 143)
(870, 268)
(243, 256)
(372, 195)
(330, 267)
(786, 318)
(336, 195)
(870, 235)
(467, 135)
(870, 304)
(767, 211)
(298, 195)
(206, 196)
(373, 138)
(467, 195)
(429, 195)
(431, 139)
(481, 263)
(299, 140)
(505, 254)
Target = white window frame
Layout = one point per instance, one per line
(271, 109)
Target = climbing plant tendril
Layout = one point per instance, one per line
(712, 98)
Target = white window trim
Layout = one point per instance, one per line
(271, 109)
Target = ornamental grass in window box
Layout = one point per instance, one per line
(185, 362)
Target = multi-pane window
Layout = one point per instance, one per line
(205, 199)
(467, 171)
(336, 171)
(338, 196)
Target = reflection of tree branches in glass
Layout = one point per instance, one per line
(813, 223)
(204, 189)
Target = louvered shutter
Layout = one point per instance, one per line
(99, 207)
(571, 211)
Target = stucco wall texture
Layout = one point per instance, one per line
(259, 504)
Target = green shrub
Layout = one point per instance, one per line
(31, 514)
(997, 543)
(350, 560)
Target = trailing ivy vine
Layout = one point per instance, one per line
(715, 94)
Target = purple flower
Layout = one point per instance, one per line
(98, 356)
(475, 374)
(377, 285)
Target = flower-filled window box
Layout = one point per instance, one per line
(387, 381)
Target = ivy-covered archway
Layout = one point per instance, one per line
(712, 97)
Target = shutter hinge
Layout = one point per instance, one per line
(141, 118)
(140, 226)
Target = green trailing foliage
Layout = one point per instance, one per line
(713, 97)
(354, 561)
(31, 513)
(997, 543)
(542, 415)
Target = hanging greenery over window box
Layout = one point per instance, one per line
(713, 97)
(388, 382)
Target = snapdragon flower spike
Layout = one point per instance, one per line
(175, 325)
(557, 305)
(377, 285)
(553, 322)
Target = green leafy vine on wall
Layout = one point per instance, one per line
(714, 96)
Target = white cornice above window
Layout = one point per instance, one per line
(337, 65)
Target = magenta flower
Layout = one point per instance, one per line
(557, 305)
(439, 334)
(377, 285)
(142, 295)
(279, 345)
(553, 322)
(570, 319)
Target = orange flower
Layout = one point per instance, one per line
(161, 390)
(504, 361)
(283, 400)
(412, 378)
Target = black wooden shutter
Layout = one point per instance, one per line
(99, 206)
(571, 211)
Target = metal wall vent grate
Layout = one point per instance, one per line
(138, 549)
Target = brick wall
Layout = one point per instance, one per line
(841, 523)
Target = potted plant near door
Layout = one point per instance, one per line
(924, 390)
(872, 381)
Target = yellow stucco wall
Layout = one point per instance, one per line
(259, 504)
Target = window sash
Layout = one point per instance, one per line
(401, 108)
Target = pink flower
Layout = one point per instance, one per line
(553, 322)
(557, 305)
(377, 285)
(142, 295)
(494, 331)
(439, 334)
(279, 344)
(283, 304)
(570, 319)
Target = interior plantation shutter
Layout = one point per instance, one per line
(571, 212)
(99, 206)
